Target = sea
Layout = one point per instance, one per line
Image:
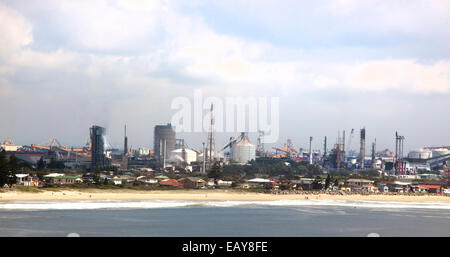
(285, 218)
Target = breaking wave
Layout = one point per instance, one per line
(152, 204)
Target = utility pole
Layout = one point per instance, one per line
(211, 138)
(204, 158)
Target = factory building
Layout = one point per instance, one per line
(164, 142)
(183, 155)
(9, 147)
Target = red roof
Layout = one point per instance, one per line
(170, 182)
(430, 186)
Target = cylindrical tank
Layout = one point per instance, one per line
(164, 141)
(420, 154)
(243, 151)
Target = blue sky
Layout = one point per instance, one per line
(343, 64)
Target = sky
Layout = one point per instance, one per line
(335, 65)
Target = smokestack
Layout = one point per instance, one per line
(165, 151)
(343, 141)
(362, 152)
(125, 143)
(325, 146)
(310, 150)
(374, 145)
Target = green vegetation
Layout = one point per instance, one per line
(215, 171)
(4, 169)
(28, 189)
(8, 169)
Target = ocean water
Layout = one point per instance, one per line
(224, 218)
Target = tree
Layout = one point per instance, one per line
(13, 168)
(327, 182)
(316, 185)
(4, 169)
(41, 164)
(215, 171)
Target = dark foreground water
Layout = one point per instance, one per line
(237, 220)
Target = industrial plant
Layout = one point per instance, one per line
(172, 154)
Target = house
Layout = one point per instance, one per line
(258, 182)
(383, 188)
(434, 189)
(147, 180)
(223, 183)
(22, 179)
(64, 180)
(302, 184)
(210, 183)
(399, 186)
(127, 178)
(116, 180)
(161, 177)
(359, 184)
(170, 183)
(275, 183)
(192, 182)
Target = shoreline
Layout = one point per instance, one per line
(200, 195)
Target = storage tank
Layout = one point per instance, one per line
(243, 151)
(420, 154)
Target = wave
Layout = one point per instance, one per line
(153, 204)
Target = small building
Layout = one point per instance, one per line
(192, 182)
(359, 184)
(383, 188)
(21, 179)
(170, 183)
(302, 184)
(210, 183)
(223, 183)
(64, 180)
(147, 180)
(434, 189)
(259, 182)
(116, 180)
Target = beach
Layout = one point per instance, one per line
(206, 195)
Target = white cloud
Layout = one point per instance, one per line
(16, 31)
(124, 58)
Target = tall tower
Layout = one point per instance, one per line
(374, 149)
(362, 151)
(325, 146)
(211, 140)
(260, 147)
(310, 150)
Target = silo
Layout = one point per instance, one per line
(97, 146)
(164, 142)
(243, 151)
